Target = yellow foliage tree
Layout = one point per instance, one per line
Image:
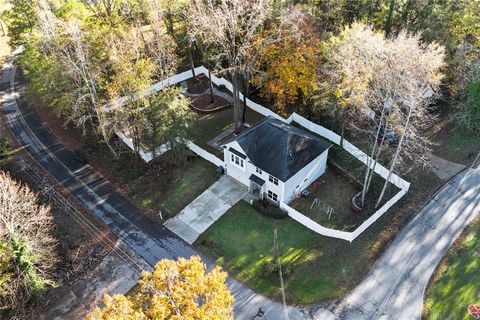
(287, 58)
(175, 290)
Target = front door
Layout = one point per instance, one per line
(255, 189)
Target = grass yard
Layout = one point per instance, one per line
(319, 269)
(158, 185)
(332, 191)
(182, 185)
(455, 283)
(457, 145)
(210, 125)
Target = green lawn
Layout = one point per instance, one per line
(321, 268)
(456, 144)
(180, 187)
(317, 268)
(456, 282)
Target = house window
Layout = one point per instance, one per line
(259, 171)
(237, 160)
(272, 195)
(273, 180)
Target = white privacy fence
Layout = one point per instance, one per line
(347, 146)
(307, 124)
(205, 155)
(147, 155)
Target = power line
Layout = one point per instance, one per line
(276, 255)
(47, 189)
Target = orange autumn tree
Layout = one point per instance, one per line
(286, 62)
(175, 290)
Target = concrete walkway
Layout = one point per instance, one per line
(150, 242)
(394, 288)
(207, 208)
(444, 169)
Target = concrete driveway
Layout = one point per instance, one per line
(207, 208)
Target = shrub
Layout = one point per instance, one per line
(268, 209)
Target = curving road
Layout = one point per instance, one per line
(393, 289)
(150, 241)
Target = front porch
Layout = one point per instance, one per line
(256, 187)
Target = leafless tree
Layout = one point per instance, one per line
(230, 26)
(22, 219)
(66, 41)
(386, 86)
(414, 75)
(159, 44)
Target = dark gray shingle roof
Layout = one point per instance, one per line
(279, 148)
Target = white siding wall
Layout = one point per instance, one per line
(233, 170)
(272, 187)
(319, 163)
(243, 175)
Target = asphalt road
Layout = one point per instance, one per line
(150, 241)
(394, 288)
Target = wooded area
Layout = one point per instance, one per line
(381, 69)
(377, 67)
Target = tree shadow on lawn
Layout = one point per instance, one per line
(315, 267)
(322, 268)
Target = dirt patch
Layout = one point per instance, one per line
(198, 84)
(201, 83)
(62, 131)
(204, 103)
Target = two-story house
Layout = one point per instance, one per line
(276, 160)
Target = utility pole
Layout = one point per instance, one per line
(276, 258)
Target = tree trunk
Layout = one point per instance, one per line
(369, 161)
(245, 94)
(211, 86)
(342, 132)
(190, 58)
(237, 105)
(388, 21)
(377, 156)
(394, 160)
